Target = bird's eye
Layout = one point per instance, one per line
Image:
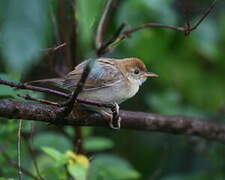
(136, 71)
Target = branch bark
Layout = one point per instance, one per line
(175, 124)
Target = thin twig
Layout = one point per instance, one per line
(77, 137)
(186, 30)
(207, 12)
(18, 150)
(105, 47)
(78, 140)
(73, 36)
(186, 10)
(143, 26)
(102, 26)
(33, 88)
(14, 164)
(28, 97)
(54, 23)
(63, 32)
(119, 35)
(54, 92)
(55, 48)
(29, 142)
(68, 104)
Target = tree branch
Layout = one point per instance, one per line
(186, 30)
(14, 109)
(102, 26)
(207, 12)
(53, 92)
(68, 105)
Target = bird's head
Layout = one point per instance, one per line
(135, 70)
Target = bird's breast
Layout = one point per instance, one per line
(129, 90)
(117, 93)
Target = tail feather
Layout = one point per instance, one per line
(52, 81)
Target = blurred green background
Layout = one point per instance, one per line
(191, 82)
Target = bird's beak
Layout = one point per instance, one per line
(149, 74)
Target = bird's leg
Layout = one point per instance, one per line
(114, 118)
(113, 123)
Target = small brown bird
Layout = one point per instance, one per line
(110, 80)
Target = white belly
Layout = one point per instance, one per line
(116, 94)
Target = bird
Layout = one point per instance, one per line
(110, 80)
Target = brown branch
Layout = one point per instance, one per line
(148, 25)
(207, 12)
(186, 30)
(78, 142)
(73, 36)
(174, 124)
(105, 47)
(33, 88)
(77, 138)
(68, 105)
(187, 13)
(28, 97)
(102, 26)
(53, 92)
(63, 32)
(54, 48)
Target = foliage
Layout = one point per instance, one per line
(191, 82)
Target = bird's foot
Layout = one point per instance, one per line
(115, 123)
(114, 118)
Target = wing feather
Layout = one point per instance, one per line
(104, 73)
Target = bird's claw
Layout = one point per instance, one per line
(115, 120)
(115, 123)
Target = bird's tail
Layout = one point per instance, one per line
(53, 81)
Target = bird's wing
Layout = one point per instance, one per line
(104, 73)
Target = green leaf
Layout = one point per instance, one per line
(49, 168)
(111, 167)
(24, 33)
(170, 103)
(159, 10)
(207, 39)
(77, 171)
(97, 143)
(2, 178)
(162, 10)
(53, 140)
(53, 153)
